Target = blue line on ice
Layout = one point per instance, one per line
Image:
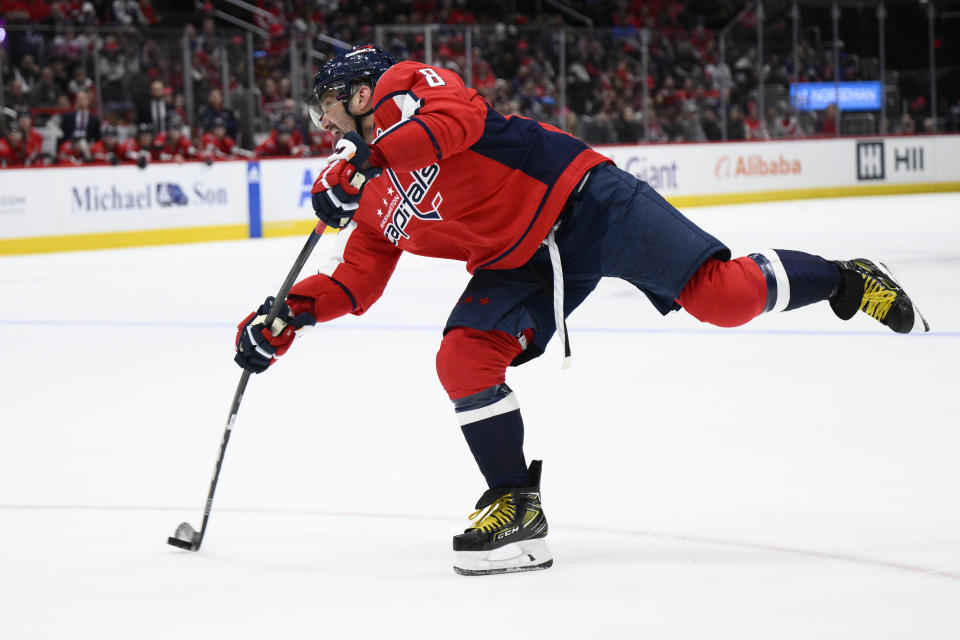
(149, 324)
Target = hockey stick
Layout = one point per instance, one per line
(186, 537)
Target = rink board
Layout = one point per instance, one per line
(59, 209)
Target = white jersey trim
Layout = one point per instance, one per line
(783, 282)
(335, 258)
(504, 405)
(408, 106)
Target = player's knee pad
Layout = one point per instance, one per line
(470, 361)
(726, 294)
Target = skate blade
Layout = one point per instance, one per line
(529, 555)
(920, 324)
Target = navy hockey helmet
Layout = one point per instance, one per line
(364, 63)
(175, 122)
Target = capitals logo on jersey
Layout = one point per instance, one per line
(408, 202)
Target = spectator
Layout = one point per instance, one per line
(127, 13)
(155, 111)
(756, 130)
(60, 76)
(81, 119)
(28, 73)
(70, 47)
(787, 125)
(827, 124)
(45, 91)
(15, 96)
(126, 121)
(208, 39)
(690, 128)
(80, 81)
(55, 123)
(113, 70)
(179, 106)
(907, 125)
(711, 128)
(953, 117)
(88, 15)
(918, 109)
(629, 126)
(598, 129)
(271, 95)
(213, 109)
(736, 128)
(149, 12)
(671, 125)
(15, 11)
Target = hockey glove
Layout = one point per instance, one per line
(336, 192)
(258, 347)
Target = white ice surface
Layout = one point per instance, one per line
(794, 479)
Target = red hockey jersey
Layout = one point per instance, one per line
(460, 181)
(168, 149)
(213, 147)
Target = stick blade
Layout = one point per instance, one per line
(185, 537)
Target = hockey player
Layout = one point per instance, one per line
(427, 166)
(76, 150)
(106, 150)
(281, 144)
(13, 147)
(217, 145)
(140, 149)
(34, 138)
(172, 144)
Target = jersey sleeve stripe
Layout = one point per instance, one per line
(353, 300)
(436, 145)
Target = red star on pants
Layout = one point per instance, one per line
(468, 299)
(484, 301)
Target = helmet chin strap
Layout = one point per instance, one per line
(357, 118)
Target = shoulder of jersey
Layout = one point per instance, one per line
(406, 75)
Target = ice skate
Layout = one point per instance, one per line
(509, 532)
(870, 287)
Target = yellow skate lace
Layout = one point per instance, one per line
(496, 515)
(877, 300)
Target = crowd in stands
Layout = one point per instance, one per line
(55, 49)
